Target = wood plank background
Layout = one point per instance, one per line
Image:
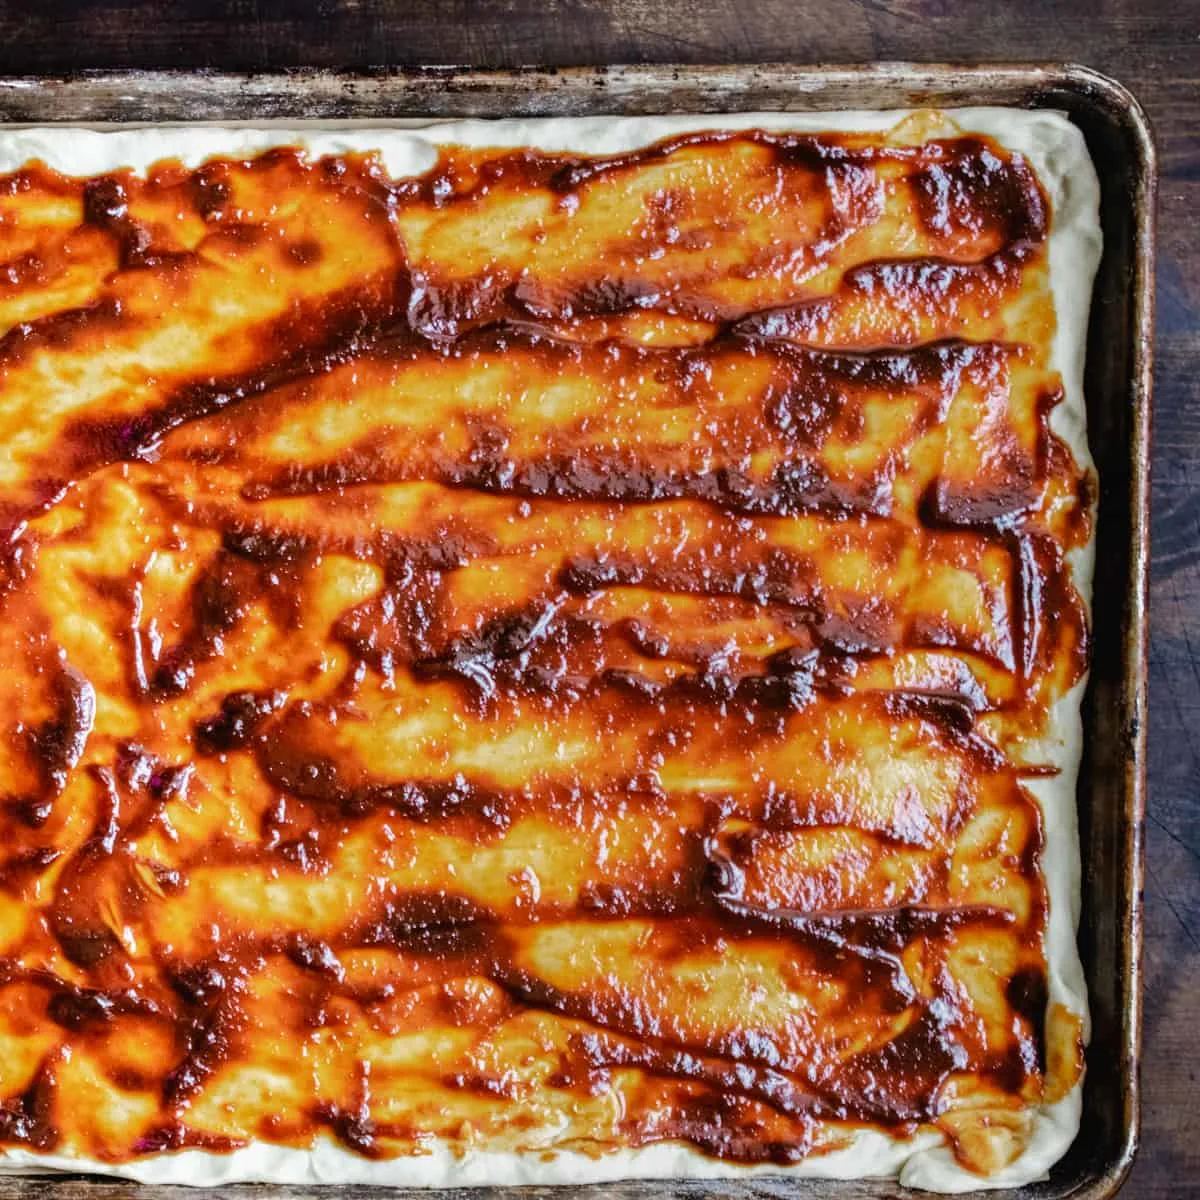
(1153, 46)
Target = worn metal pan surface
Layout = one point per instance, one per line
(1112, 781)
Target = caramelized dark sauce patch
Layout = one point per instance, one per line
(552, 644)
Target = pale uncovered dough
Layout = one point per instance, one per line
(1056, 150)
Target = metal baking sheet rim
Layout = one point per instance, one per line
(1112, 782)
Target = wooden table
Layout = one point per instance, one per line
(1153, 46)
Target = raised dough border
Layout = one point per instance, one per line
(1056, 150)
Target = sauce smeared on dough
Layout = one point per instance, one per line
(546, 652)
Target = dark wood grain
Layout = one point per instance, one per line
(1153, 46)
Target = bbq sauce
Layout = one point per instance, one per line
(555, 641)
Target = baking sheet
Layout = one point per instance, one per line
(1112, 780)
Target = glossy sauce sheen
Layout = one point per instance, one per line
(542, 653)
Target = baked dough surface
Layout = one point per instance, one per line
(544, 665)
